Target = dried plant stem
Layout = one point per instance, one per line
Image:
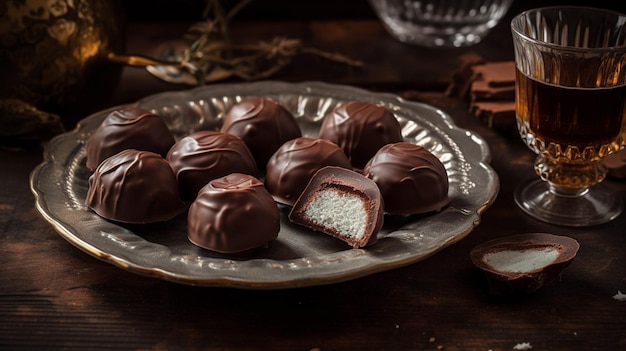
(213, 56)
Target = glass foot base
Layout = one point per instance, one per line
(598, 205)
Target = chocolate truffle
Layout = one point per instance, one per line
(206, 155)
(134, 186)
(411, 179)
(233, 214)
(263, 125)
(360, 129)
(128, 128)
(341, 203)
(295, 162)
(523, 263)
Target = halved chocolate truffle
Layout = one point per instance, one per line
(341, 203)
(360, 129)
(233, 214)
(295, 162)
(128, 128)
(263, 125)
(134, 186)
(411, 179)
(523, 263)
(206, 155)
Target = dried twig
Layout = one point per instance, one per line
(213, 56)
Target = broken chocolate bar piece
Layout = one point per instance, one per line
(483, 91)
(490, 92)
(498, 115)
(497, 74)
(462, 79)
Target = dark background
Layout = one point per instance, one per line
(173, 10)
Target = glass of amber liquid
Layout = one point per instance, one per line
(570, 96)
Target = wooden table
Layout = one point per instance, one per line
(54, 296)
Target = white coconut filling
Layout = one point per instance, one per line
(521, 261)
(341, 212)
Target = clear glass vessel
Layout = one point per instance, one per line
(570, 109)
(440, 23)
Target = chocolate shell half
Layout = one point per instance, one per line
(341, 203)
(523, 263)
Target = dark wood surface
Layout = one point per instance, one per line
(55, 296)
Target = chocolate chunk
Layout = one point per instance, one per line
(482, 90)
(496, 114)
(496, 74)
(491, 93)
(463, 77)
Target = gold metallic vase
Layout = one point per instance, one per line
(53, 52)
(59, 59)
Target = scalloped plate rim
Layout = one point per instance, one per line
(327, 275)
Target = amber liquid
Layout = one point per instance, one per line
(589, 121)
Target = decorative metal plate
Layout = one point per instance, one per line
(298, 257)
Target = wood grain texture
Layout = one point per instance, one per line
(54, 296)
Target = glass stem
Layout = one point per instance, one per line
(569, 179)
(567, 192)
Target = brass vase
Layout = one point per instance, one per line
(59, 60)
(53, 52)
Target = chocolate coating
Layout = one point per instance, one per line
(263, 125)
(536, 259)
(295, 162)
(341, 203)
(233, 214)
(360, 129)
(411, 179)
(128, 128)
(134, 186)
(206, 155)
